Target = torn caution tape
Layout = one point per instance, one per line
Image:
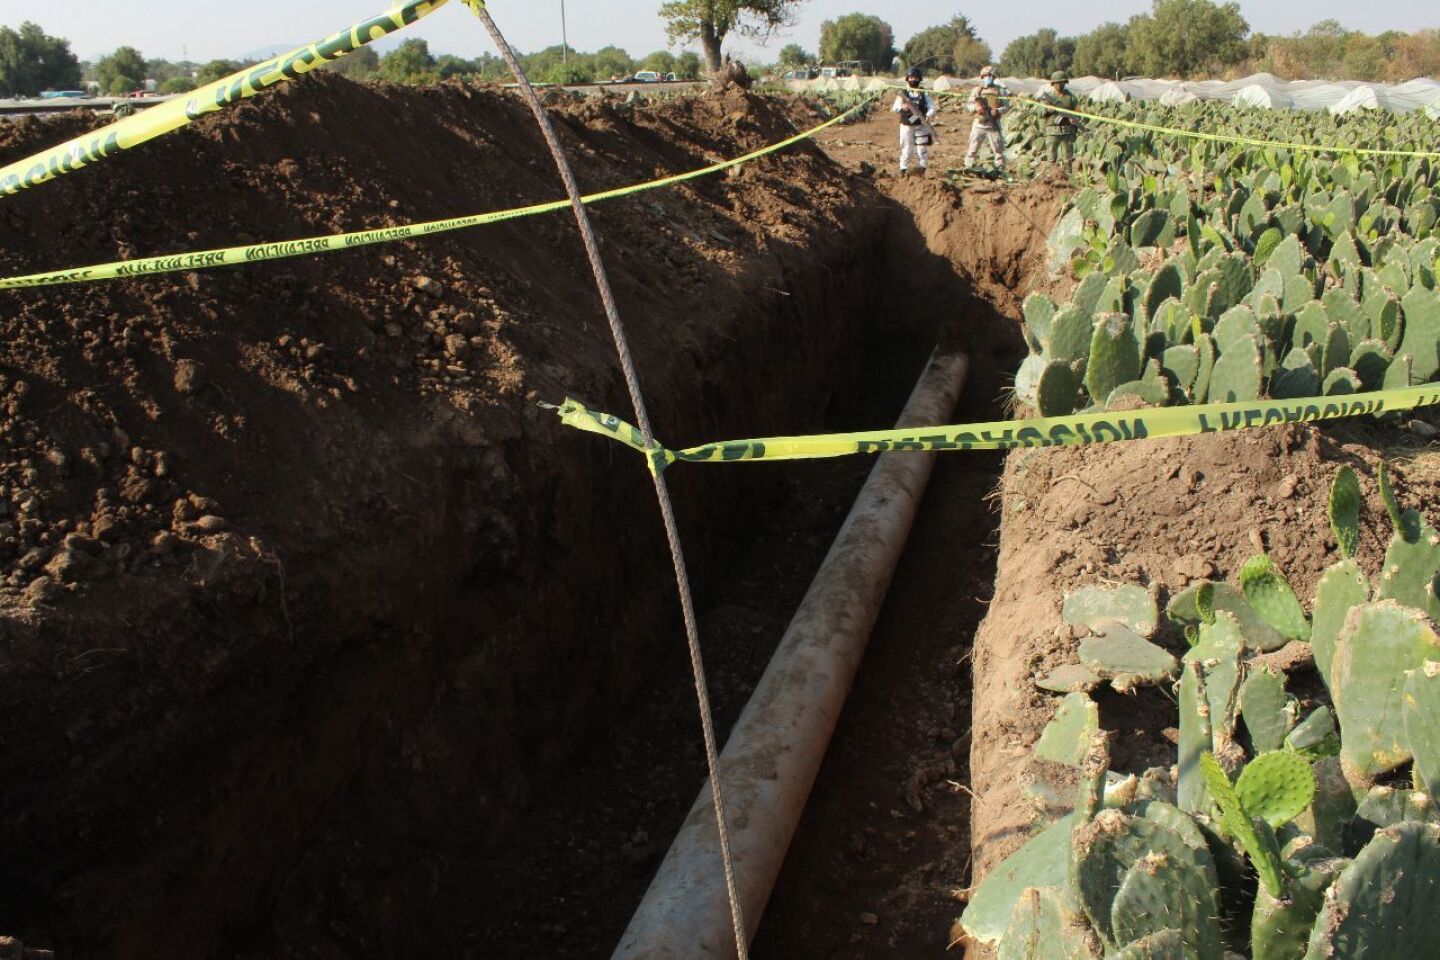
(174, 114)
(1077, 430)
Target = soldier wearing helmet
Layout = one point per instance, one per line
(1060, 128)
(915, 107)
(988, 102)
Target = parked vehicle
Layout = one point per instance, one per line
(648, 76)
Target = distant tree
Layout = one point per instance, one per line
(216, 70)
(858, 36)
(449, 66)
(162, 70)
(363, 64)
(31, 61)
(122, 72)
(711, 21)
(687, 65)
(971, 53)
(661, 61)
(1038, 55)
(1103, 52)
(180, 84)
(934, 47)
(1186, 37)
(611, 60)
(410, 62)
(792, 55)
(576, 71)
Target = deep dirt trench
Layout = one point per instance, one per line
(360, 655)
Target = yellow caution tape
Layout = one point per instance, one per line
(1215, 137)
(174, 114)
(1077, 430)
(208, 259)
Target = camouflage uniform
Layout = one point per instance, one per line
(988, 103)
(1060, 128)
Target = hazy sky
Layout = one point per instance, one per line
(207, 30)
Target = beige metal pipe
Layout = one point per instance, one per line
(775, 750)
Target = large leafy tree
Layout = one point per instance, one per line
(793, 55)
(687, 65)
(711, 21)
(661, 61)
(1186, 37)
(122, 72)
(360, 65)
(410, 62)
(858, 36)
(31, 61)
(1103, 52)
(1038, 55)
(936, 46)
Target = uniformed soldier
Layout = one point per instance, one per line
(1060, 128)
(915, 107)
(988, 102)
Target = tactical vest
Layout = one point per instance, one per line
(919, 101)
(992, 96)
(1060, 124)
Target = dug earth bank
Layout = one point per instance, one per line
(308, 606)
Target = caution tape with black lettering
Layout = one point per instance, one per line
(174, 114)
(1076, 430)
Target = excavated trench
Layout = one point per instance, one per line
(352, 673)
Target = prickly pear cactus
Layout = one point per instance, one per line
(1379, 643)
(1040, 930)
(1042, 862)
(1114, 356)
(1057, 392)
(1276, 787)
(1345, 504)
(1253, 834)
(1280, 926)
(1422, 725)
(1095, 607)
(1270, 594)
(1384, 904)
(1266, 709)
(1067, 737)
(1343, 588)
(1237, 374)
(1127, 659)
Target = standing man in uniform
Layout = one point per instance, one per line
(988, 102)
(1060, 128)
(915, 107)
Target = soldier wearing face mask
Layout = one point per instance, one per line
(915, 107)
(988, 102)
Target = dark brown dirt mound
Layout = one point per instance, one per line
(298, 583)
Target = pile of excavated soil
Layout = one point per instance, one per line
(1162, 514)
(298, 584)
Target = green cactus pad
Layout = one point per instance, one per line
(1342, 309)
(1343, 588)
(1095, 607)
(1400, 373)
(1334, 804)
(1422, 725)
(1316, 735)
(1070, 334)
(1042, 862)
(1237, 374)
(1066, 738)
(1341, 382)
(1196, 738)
(1159, 893)
(1422, 333)
(1114, 356)
(1057, 391)
(1379, 643)
(1280, 926)
(1155, 393)
(1412, 561)
(1264, 706)
(1345, 502)
(1336, 352)
(1288, 257)
(1385, 807)
(1237, 322)
(1071, 678)
(1039, 930)
(1259, 844)
(1169, 283)
(1039, 316)
(1270, 594)
(1182, 364)
(1384, 904)
(1371, 360)
(1276, 787)
(1165, 945)
(1126, 659)
(1105, 850)
(1259, 635)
